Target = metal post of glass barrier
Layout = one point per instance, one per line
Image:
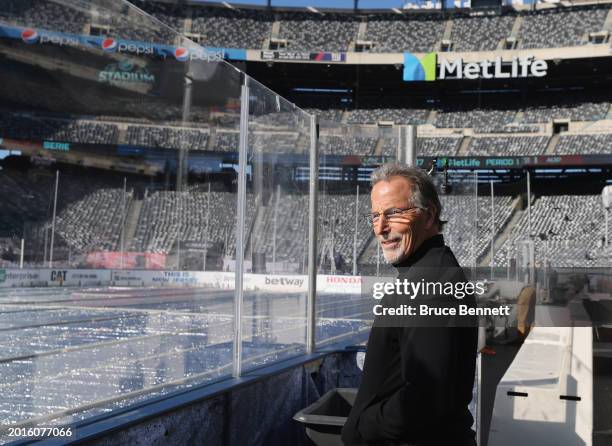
(182, 170)
(529, 202)
(492, 227)
(274, 228)
(240, 228)
(355, 230)
(474, 239)
(53, 220)
(123, 211)
(311, 323)
(407, 138)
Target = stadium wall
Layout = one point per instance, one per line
(11, 278)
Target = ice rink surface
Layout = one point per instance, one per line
(69, 353)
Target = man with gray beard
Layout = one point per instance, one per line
(417, 379)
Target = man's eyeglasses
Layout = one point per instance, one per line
(391, 215)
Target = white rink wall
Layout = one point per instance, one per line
(13, 278)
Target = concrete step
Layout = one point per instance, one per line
(464, 146)
(552, 143)
(131, 222)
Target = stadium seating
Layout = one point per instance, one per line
(285, 119)
(584, 144)
(39, 128)
(460, 118)
(573, 228)
(460, 212)
(171, 14)
(276, 142)
(88, 210)
(480, 33)
(446, 146)
(507, 128)
(389, 114)
(45, 14)
(227, 142)
(559, 28)
(336, 225)
(167, 137)
(94, 222)
(507, 146)
(23, 200)
(342, 145)
(326, 115)
(218, 26)
(130, 26)
(399, 32)
(167, 217)
(291, 220)
(337, 217)
(318, 32)
(231, 28)
(572, 109)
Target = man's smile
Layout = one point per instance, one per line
(390, 244)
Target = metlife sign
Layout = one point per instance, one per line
(428, 68)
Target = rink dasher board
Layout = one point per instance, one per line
(48, 277)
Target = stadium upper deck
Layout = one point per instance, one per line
(553, 26)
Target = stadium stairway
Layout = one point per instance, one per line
(431, 117)
(448, 31)
(516, 27)
(188, 24)
(518, 117)
(378, 148)
(464, 146)
(274, 33)
(362, 32)
(131, 222)
(121, 133)
(552, 144)
(502, 236)
(608, 23)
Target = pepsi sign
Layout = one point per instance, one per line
(29, 36)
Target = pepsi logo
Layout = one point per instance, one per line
(109, 45)
(29, 35)
(181, 54)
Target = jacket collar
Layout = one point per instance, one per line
(434, 242)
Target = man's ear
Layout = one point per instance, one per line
(431, 219)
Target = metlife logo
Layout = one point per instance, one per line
(428, 68)
(420, 70)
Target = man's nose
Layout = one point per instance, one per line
(381, 226)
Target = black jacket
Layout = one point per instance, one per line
(417, 381)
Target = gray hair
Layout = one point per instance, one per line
(424, 193)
